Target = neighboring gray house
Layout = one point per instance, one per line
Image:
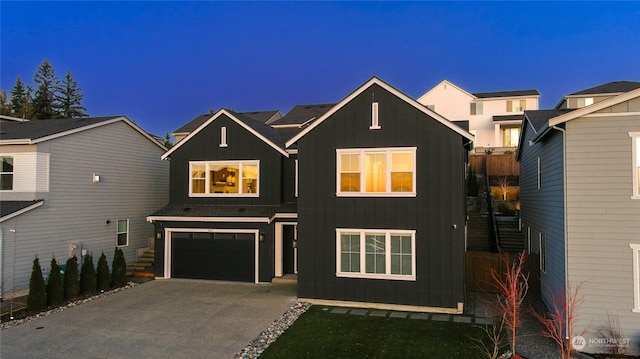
(75, 186)
(580, 205)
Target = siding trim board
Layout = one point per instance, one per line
(209, 219)
(23, 210)
(581, 112)
(636, 277)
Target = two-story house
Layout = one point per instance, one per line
(580, 205)
(494, 117)
(72, 187)
(364, 199)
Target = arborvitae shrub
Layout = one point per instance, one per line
(71, 286)
(36, 300)
(103, 273)
(55, 290)
(88, 276)
(119, 269)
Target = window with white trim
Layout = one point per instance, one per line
(635, 248)
(223, 137)
(123, 232)
(476, 108)
(224, 178)
(582, 102)
(375, 124)
(516, 105)
(543, 252)
(376, 254)
(6, 173)
(376, 172)
(635, 155)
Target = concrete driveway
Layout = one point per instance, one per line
(159, 319)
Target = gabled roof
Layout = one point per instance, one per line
(626, 96)
(609, 88)
(5, 118)
(376, 81)
(262, 116)
(32, 132)
(193, 124)
(449, 83)
(264, 132)
(10, 209)
(303, 114)
(516, 93)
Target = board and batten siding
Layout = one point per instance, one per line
(133, 183)
(602, 218)
(542, 210)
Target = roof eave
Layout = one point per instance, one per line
(24, 210)
(594, 107)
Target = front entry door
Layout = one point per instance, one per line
(288, 249)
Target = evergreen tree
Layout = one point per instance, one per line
(44, 99)
(55, 290)
(36, 300)
(71, 288)
(69, 98)
(103, 278)
(20, 100)
(119, 269)
(5, 105)
(88, 283)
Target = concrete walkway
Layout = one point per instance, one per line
(159, 319)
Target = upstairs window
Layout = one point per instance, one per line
(375, 172)
(476, 108)
(224, 178)
(635, 171)
(223, 137)
(375, 124)
(6, 173)
(516, 106)
(582, 102)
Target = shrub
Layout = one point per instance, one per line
(55, 289)
(88, 276)
(71, 287)
(36, 300)
(119, 269)
(103, 278)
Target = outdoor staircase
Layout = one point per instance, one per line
(509, 234)
(143, 266)
(478, 233)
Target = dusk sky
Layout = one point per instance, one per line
(163, 63)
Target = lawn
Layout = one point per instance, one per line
(321, 334)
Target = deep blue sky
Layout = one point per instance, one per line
(163, 63)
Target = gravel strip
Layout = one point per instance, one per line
(275, 329)
(16, 322)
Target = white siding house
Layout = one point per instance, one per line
(75, 182)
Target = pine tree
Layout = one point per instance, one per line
(20, 100)
(44, 99)
(88, 276)
(5, 105)
(119, 269)
(36, 300)
(103, 279)
(69, 98)
(55, 290)
(71, 288)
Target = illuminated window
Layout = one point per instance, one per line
(222, 178)
(516, 106)
(510, 136)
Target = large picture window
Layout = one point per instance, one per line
(224, 178)
(6, 173)
(374, 172)
(381, 254)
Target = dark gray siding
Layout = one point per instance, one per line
(242, 145)
(542, 209)
(439, 204)
(289, 179)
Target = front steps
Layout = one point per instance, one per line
(143, 266)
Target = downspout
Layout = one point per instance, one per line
(564, 207)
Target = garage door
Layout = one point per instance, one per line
(215, 256)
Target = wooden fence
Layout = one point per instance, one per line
(495, 165)
(480, 264)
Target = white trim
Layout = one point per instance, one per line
(118, 233)
(594, 108)
(296, 179)
(609, 114)
(283, 216)
(24, 210)
(168, 239)
(209, 219)
(636, 277)
(238, 181)
(392, 90)
(446, 82)
(375, 124)
(362, 152)
(233, 118)
(223, 137)
(384, 306)
(278, 247)
(363, 274)
(528, 240)
(635, 165)
(539, 173)
(543, 256)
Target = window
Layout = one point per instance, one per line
(528, 240)
(476, 108)
(539, 173)
(374, 253)
(123, 232)
(635, 155)
(376, 172)
(295, 189)
(6, 173)
(635, 248)
(223, 137)
(516, 106)
(375, 124)
(222, 178)
(543, 253)
(582, 102)
(510, 136)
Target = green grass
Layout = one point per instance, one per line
(320, 334)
